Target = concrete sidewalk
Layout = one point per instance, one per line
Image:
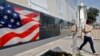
(11, 51)
(64, 43)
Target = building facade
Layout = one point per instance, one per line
(64, 9)
(38, 20)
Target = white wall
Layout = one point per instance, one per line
(40, 5)
(67, 11)
(20, 2)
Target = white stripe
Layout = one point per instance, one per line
(17, 10)
(17, 39)
(36, 18)
(13, 41)
(4, 31)
(29, 37)
(37, 38)
(23, 17)
(24, 12)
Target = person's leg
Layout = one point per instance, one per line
(84, 42)
(91, 45)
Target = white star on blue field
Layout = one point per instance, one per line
(9, 18)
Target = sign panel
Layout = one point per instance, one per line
(40, 5)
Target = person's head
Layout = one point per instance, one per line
(89, 20)
(73, 21)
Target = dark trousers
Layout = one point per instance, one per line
(88, 39)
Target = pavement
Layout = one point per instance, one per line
(39, 47)
(11, 51)
(65, 43)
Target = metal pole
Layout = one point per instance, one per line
(74, 35)
(74, 44)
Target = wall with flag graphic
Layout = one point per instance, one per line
(20, 25)
(17, 25)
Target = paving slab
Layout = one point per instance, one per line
(64, 43)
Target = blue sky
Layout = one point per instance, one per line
(93, 3)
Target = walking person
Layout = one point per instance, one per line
(88, 37)
(74, 27)
(74, 31)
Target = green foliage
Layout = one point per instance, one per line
(93, 13)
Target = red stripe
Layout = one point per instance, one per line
(35, 37)
(11, 35)
(26, 20)
(0, 43)
(18, 9)
(32, 15)
(29, 16)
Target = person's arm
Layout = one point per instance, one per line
(85, 30)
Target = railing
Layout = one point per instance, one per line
(96, 33)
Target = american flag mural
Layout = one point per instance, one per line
(17, 25)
